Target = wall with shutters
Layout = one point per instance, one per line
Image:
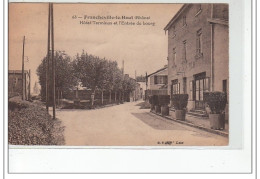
(152, 80)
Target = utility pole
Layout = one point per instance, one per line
(23, 70)
(123, 68)
(29, 89)
(146, 84)
(135, 85)
(146, 81)
(53, 62)
(47, 63)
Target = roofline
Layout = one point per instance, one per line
(176, 16)
(157, 71)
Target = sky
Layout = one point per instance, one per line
(142, 47)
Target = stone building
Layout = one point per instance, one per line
(198, 51)
(15, 83)
(157, 82)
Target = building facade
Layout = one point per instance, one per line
(157, 82)
(15, 83)
(198, 51)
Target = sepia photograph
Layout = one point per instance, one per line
(93, 74)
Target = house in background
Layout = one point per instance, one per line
(157, 82)
(198, 52)
(15, 83)
(141, 80)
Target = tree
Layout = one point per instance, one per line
(88, 70)
(98, 74)
(118, 83)
(129, 85)
(65, 79)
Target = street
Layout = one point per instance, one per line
(127, 125)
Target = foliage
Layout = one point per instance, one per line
(216, 101)
(30, 124)
(153, 99)
(163, 100)
(180, 101)
(129, 84)
(65, 78)
(141, 78)
(92, 72)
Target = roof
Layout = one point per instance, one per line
(158, 71)
(175, 17)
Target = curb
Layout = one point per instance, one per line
(225, 134)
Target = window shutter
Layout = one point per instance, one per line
(155, 80)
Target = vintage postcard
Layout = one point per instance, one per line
(83, 74)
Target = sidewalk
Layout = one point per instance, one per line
(197, 122)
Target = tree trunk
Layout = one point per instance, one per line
(115, 96)
(61, 97)
(93, 97)
(58, 97)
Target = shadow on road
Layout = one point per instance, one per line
(156, 123)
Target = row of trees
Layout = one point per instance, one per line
(94, 73)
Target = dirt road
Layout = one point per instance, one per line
(127, 125)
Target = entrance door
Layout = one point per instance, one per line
(201, 85)
(199, 104)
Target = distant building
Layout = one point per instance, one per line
(198, 51)
(135, 94)
(142, 89)
(157, 82)
(15, 83)
(36, 89)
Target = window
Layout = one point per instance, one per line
(184, 21)
(199, 43)
(175, 87)
(184, 50)
(155, 79)
(224, 85)
(202, 85)
(160, 79)
(174, 57)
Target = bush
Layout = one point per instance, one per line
(153, 99)
(180, 101)
(216, 100)
(163, 100)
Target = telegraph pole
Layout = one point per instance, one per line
(47, 63)
(123, 68)
(135, 86)
(23, 70)
(146, 84)
(29, 89)
(53, 62)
